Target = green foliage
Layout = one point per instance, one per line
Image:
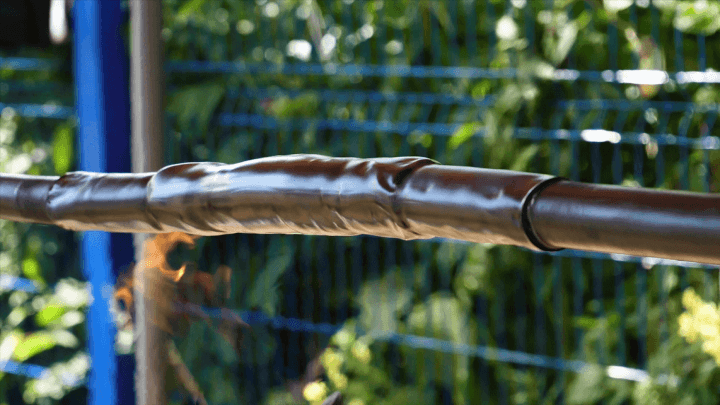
(49, 314)
(351, 369)
(560, 34)
(463, 134)
(190, 7)
(63, 377)
(32, 345)
(46, 327)
(194, 105)
(59, 322)
(302, 106)
(263, 292)
(492, 296)
(62, 152)
(697, 17)
(442, 316)
(592, 386)
(383, 301)
(614, 6)
(679, 373)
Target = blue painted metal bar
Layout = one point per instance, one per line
(362, 96)
(41, 110)
(103, 111)
(438, 72)
(29, 87)
(24, 369)
(64, 112)
(442, 129)
(31, 64)
(8, 282)
(38, 372)
(439, 345)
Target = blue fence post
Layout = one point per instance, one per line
(103, 111)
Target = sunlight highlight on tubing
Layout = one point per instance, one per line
(407, 198)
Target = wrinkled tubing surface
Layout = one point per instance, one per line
(405, 197)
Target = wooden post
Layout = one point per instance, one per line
(147, 85)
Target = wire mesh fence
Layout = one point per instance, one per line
(613, 92)
(607, 92)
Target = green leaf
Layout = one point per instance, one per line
(442, 316)
(585, 322)
(506, 28)
(234, 147)
(394, 9)
(481, 89)
(196, 104)
(304, 105)
(226, 351)
(522, 160)
(190, 7)
(589, 387)
(50, 314)
(263, 292)
(614, 6)
(420, 138)
(382, 301)
(8, 344)
(33, 344)
(440, 11)
(697, 17)
(63, 149)
(64, 338)
(463, 134)
(541, 69)
(31, 269)
(566, 39)
(448, 256)
(706, 95)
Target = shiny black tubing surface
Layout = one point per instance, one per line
(404, 197)
(640, 222)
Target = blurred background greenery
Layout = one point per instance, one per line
(539, 86)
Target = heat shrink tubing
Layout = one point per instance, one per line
(404, 197)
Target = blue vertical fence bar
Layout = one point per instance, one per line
(103, 111)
